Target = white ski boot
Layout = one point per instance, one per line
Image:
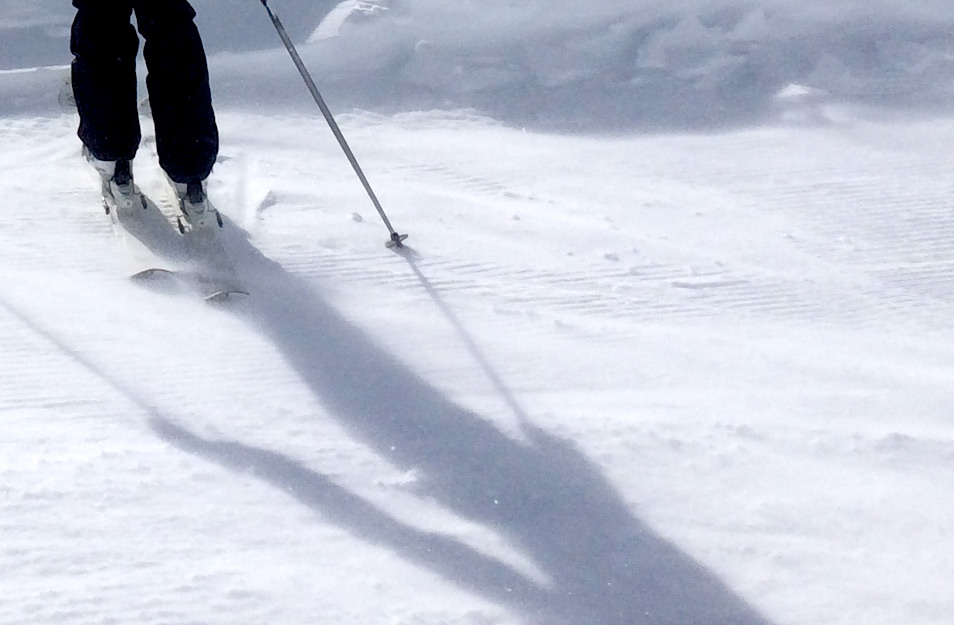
(119, 191)
(196, 213)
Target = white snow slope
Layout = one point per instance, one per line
(681, 378)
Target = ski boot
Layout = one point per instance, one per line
(119, 191)
(196, 213)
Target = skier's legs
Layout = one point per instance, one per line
(104, 46)
(178, 81)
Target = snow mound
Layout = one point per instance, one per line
(615, 65)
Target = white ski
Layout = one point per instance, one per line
(211, 269)
(157, 255)
(139, 232)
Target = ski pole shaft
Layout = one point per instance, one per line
(396, 239)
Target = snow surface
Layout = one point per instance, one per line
(622, 376)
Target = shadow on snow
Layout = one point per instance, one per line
(603, 565)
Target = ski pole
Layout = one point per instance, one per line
(396, 239)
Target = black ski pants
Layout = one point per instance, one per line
(104, 46)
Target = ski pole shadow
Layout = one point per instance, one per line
(602, 564)
(410, 256)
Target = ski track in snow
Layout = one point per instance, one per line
(746, 336)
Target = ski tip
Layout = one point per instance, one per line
(152, 273)
(226, 295)
(156, 279)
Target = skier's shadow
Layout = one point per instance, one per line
(155, 231)
(602, 565)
